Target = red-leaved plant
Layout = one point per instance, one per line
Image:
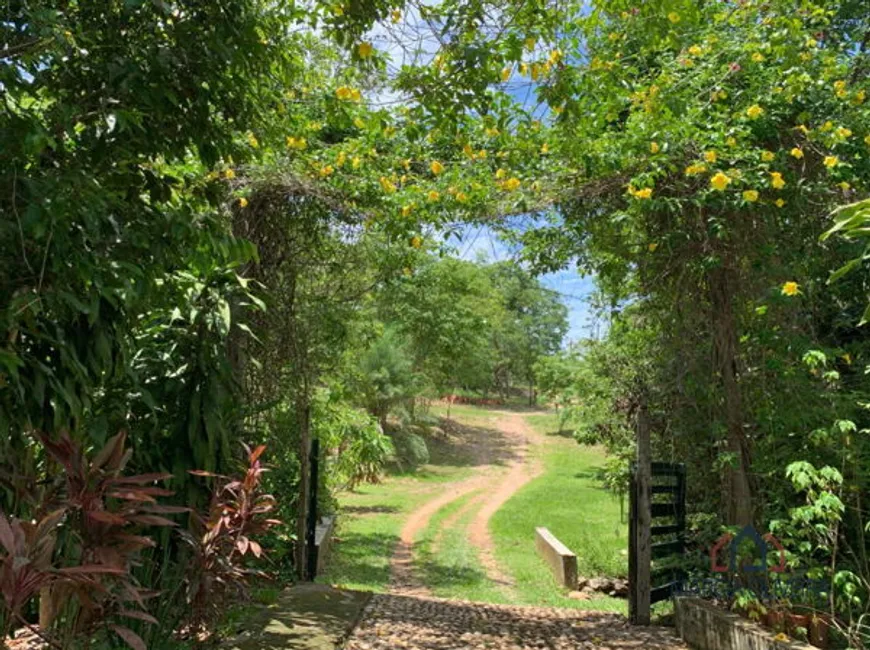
(79, 555)
(223, 537)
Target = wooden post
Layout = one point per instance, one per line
(640, 552)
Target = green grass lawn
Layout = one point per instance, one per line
(567, 498)
(370, 520)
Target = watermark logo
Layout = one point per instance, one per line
(760, 544)
(754, 562)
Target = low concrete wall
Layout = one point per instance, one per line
(706, 627)
(560, 558)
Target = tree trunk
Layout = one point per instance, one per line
(725, 346)
(303, 422)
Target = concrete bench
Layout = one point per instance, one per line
(560, 558)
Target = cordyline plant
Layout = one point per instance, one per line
(224, 536)
(79, 554)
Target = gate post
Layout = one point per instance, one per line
(310, 536)
(640, 552)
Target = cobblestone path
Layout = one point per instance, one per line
(422, 623)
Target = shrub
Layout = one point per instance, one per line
(224, 537)
(79, 556)
(411, 450)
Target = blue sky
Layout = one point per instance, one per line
(573, 288)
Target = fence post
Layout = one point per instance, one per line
(311, 531)
(640, 552)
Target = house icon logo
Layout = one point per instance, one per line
(747, 536)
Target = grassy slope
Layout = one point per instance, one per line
(568, 499)
(371, 516)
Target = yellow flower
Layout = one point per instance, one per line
(252, 140)
(482, 154)
(797, 152)
(710, 156)
(364, 49)
(355, 162)
(243, 202)
(406, 163)
(462, 197)
(767, 156)
(388, 186)
(505, 74)
(802, 128)
(750, 195)
(840, 88)
(696, 168)
(524, 69)
(500, 173)
(396, 15)
(831, 161)
(555, 57)
(545, 148)
(359, 123)
(644, 193)
(492, 132)
(355, 95)
(433, 195)
(779, 203)
(790, 289)
(776, 180)
(674, 17)
(758, 57)
(416, 241)
(342, 158)
(407, 209)
(468, 151)
(859, 97)
(512, 184)
(229, 174)
(343, 92)
(844, 186)
(847, 358)
(754, 112)
(436, 167)
(696, 50)
(652, 247)
(720, 181)
(327, 170)
(731, 141)
(843, 132)
(827, 126)
(654, 147)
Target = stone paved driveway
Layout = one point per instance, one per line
(418, 623)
